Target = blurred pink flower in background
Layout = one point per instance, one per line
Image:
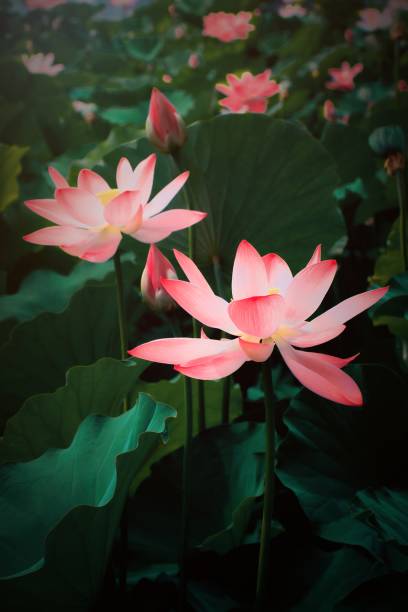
(371, 19)
(42, 64)
(92, 217)
(43, 4)
(164, 126)
(291, 10)
(167, 78)
(343, 77)
(349, 35)
(157, 267)
(179, 31)
(86, 109)
(331, 114)
(228, 26)
(270, 307)
(249, 93)
(124, 3)
(194, 60)
(402, 85)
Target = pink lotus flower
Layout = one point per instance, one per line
(167, 78)
(343, 77)
(92, 217)
(194, 61)
(157, 267)
(331, 114)
(248, 93)
(164, 126)
(86, 109)
(43, 4)
(372, 19)
(269, 307)
(291, 10)
(228, 26)
(42, 64)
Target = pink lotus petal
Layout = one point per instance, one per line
(124, 175)
(57, 235)
(311, 338)
(82, 205)
(308, 289)
(123, 209)
(191, 271)
(157, 267)
(278, 272)
(321, 374)
(59, 181)
(162, 225)
(143, 176)
(256, 351)
(258, 316)
(217, 366)
(88, 180)
(98, 246)
(206, 307)
(249, 276)
(165, 196)
(178, 350)
(51, 210)
(316, 257)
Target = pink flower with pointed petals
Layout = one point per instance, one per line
(164, 126)
(228, 26)
(42, 64)
(270, 307)
(291, 10)
(248, 93)
(343, 77)
(43, 4)
(92, 217)
(157, 267)
(331, 114)
(371, 19)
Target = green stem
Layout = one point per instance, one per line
(403, 205)
(186, 488)
(121, 305)
(269, 491)
(396, 69)
(226, 383)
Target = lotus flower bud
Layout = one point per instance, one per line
(164, 126)
(389, 143)
(157, 267)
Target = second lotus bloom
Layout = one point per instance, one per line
(270, 307)
(92, 217)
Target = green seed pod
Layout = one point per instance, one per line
(387, 140)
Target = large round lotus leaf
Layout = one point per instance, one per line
(57, 553)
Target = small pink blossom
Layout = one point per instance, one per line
(86, 109)
(331, 114)
(179, 31)
(42, 64)
(288, 11)
(157, 267)
(248, 93)
(343, 77)
(228, 26)
(194, 61)
(43, 4)
(92, 217)
(167, 78)
(270, 307)
(349, 36)
(372, 19)
(402, 85)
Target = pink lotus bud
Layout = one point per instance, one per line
(348, 35)
(157, 267)
(329, 111)
(164, 126)
(167, 78)
(194, 61)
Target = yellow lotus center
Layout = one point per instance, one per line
(106, 196)
(273, 291)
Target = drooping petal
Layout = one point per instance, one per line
(82, 205)
(257, 351)
(249, 276)
(278, 272)
(89, 180)
(59, 181)
(316, 257)
(216, 366)
(347, 309)
(143, 176)
(165, 196)
(178, 350)
(191, 271)
(308, 289)
(57, 235)
(124, 175)
(206, 307)
(258, 316)
(162, 225)
(122, 209)
(51, 210)
(98, 246)
(310, 338)
(322, 375)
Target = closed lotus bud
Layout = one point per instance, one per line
(164, 126)
(157, 267)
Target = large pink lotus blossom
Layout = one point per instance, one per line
(164, 126)
(343, 77)
(288, 11)
(228, 26)
(157, 267)
(248, 93)
(371, 19)
(42, 64)
(43, 4)
(92, 217)
(270, 307)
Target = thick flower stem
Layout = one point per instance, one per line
(264, 550)
(403, 205)
(226, 390)
(186, 488)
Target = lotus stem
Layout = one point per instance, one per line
(269, 490)
(186, 488)
(226, 389)
(403, 205)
